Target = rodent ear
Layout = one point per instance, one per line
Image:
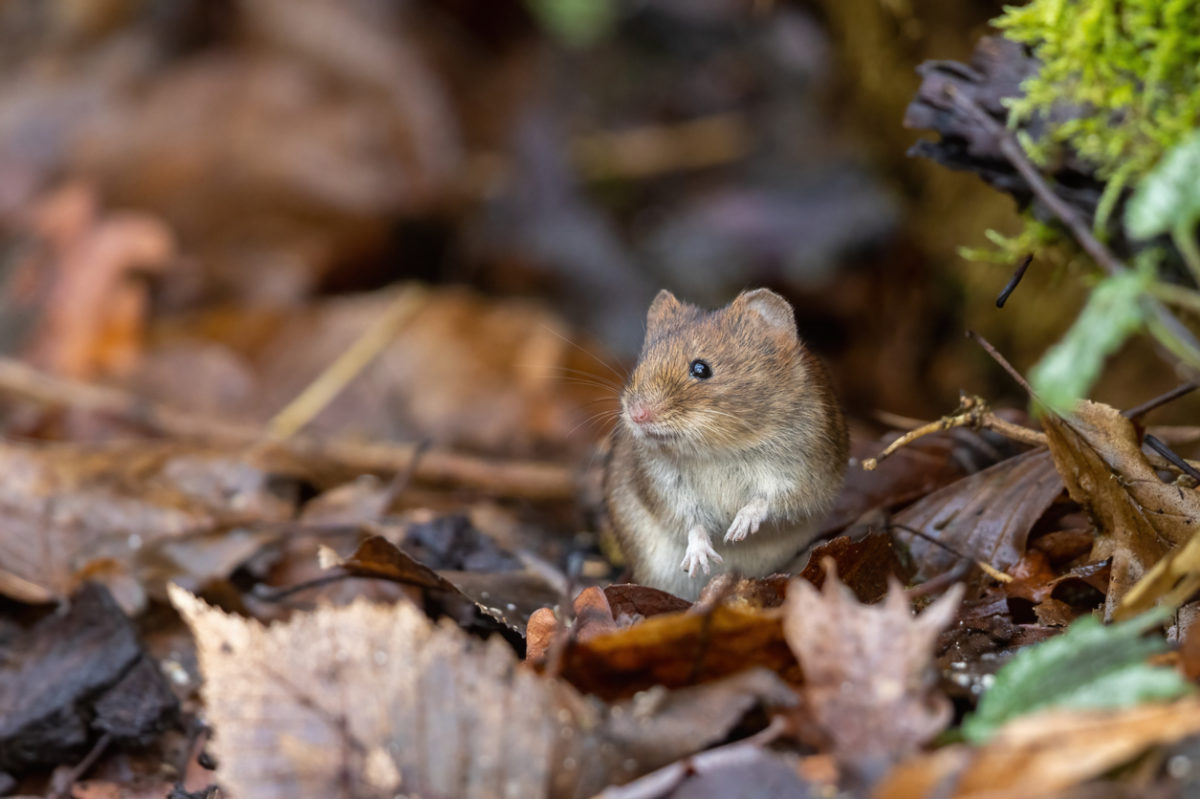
(774, 310)
(664, 307)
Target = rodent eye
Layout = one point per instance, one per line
(700, 369)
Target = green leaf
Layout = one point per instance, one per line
(1113, 313)
(1091, 666)
(576, 23)
(1169, 196)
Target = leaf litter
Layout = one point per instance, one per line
(764, 685)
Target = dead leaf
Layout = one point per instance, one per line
(374, 700)
(986, 516)
(1044, 753)
(73, 676)
(677, 650)
(642, 601)
(63, 508)
(1139, 517)
(865, 566)
(485, 602)
(868, 677)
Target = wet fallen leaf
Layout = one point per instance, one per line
(868, 676)
(74, 676)
(865, 566)
(986, 516)
(372, 699)
(1139, 517)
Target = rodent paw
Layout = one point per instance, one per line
(699, 550)
(747, 520)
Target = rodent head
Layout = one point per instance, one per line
(716, 379)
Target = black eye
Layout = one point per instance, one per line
(700, 369)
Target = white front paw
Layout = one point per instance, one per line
(747, 520)
(699, 550)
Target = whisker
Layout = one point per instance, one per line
(587, 352)
(592, 419)
(580, 376)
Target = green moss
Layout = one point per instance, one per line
(1034, 237)
(1129, 69)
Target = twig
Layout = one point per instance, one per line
(987, 568)
(1004, 364)
(1176, 461)
(1013, 281)
(1162, 399)
(321, 391)
(972, 412)
(939, 583)
(62, 789)
(531, 480)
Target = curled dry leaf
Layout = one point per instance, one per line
(1098, 453)
(466, 597)
(678, 649)
(868, 681)
(371, 700)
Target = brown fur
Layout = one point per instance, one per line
(766, 422)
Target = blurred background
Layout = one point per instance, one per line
(207, 201)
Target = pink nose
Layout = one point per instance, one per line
(641, 413)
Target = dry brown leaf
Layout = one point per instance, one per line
(65, 508)
(484, 600)
(1172, 580)
(1044, 753)
(866, 565)
(371, 700)
(986, 516)
(868, 680)
(679, 649)
(1140, 518)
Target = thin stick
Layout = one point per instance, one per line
(1000, 359)
(321, 391)
(1176, 461)
(1181, 390)
(1014, 281)
(986, 568)
(63, 790)
(518, 479)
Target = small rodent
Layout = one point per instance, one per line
(730, 448)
